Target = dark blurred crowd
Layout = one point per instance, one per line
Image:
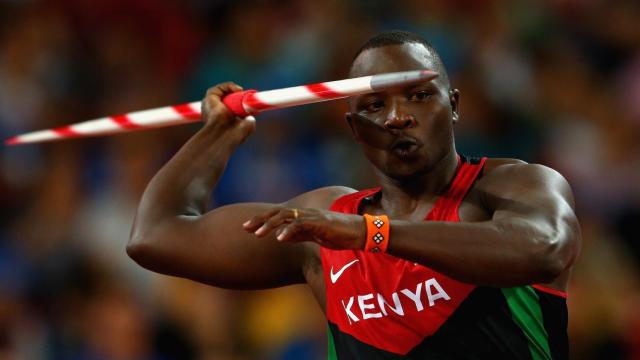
(555, 82)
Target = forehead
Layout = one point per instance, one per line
(390, 58)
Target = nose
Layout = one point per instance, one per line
(397, 119)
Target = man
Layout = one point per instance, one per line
(473, 263)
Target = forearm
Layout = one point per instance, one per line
(494, 253)
(183, 186)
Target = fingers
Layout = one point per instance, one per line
(326, 228)
(256, 222)
(213, 99)
(223, 89)
(216, 113)
(290, 231)
(262, 225)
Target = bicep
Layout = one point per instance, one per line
(215, 249)
(538, 199)
(530, 191)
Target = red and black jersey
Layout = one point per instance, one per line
(381, 307)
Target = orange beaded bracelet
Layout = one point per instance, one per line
(377, 233)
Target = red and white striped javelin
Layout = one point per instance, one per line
(242, 103)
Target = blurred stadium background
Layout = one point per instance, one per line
(555, 82)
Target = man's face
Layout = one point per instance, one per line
(404, 131)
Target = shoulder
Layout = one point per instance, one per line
(320, 198)
(501, 171)
(499, 168)
(512, 176)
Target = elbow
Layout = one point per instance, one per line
(145, 254)
(136, 249)
(549, 271)
(549, 260)
(140, 247)
(151, 247)
(141, 240)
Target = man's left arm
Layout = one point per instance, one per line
(532, 237)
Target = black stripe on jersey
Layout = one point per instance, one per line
(556, 319)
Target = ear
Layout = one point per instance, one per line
(349, 117)
(454, 100)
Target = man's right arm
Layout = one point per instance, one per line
(215, 249)
(174, 234)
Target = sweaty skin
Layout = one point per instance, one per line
(518, 225)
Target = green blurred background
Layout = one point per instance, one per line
(555, 82)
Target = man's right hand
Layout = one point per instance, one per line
(219, 118)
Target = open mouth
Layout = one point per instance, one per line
(405, 146)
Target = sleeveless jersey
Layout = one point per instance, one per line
(382, 307)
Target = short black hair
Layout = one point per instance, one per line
(399, 37)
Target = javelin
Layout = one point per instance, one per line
(241, 103)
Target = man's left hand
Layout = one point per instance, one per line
(327, 228)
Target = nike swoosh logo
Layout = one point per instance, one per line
(334, 277)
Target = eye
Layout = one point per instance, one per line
(420, 96)
(373, 106)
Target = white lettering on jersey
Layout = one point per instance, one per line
(396, 301)
(363, 307)
(347, 309)
(433, 292)
(440, 294)
(415, 296)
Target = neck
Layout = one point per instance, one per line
(403, 197)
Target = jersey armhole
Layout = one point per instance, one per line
(349, 203)
(549, 290)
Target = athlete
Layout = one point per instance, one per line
(449, 257)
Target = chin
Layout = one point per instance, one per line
(406, 171)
